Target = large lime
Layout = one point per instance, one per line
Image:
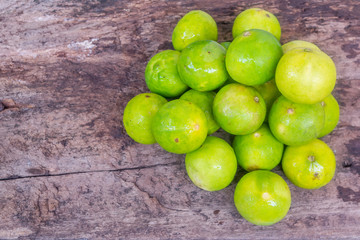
(262, 197)
(204, 100)
(256, 18)
(239, 109)
(212, 167)
(194, 26)
(309, 166)
(202, 65)
(295, 123)
(161, 74)
(138, 116)
(180, 126)
(258, 150)
(252, 57)
(305, 75)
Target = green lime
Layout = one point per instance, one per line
(225, 44)
(138, 116)
(270, 93)
(212, 167)
(252, 57)
(202, 65)
(194, 26)
(262, 197)
(239, 109)
(295, 123)
(332, 114)
(309, 166)
(203, 100)
(161, 74)
(305, 75)
(180, 126)
(298, 44)
(256, 18)
(258, 150)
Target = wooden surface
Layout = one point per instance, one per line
(69, 171)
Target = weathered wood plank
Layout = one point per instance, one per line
(68, 169)
(158, 202)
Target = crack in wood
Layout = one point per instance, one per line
(87, 172)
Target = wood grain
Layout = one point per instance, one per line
(69, 171)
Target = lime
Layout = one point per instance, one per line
(309, 166)
(180, 126)
(194, 26)
(270, 93)
(203, 100)
(138, 116)
(262, 197)
(256, 18)
(252, 57)
(161, 74)
(202, 65)
(212, 167)
(295, 123)
(225, 44)
(332, 114)
(305, 75)
(298, 44)
(258, 150)
(239, 109)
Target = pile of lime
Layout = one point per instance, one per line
(275, 99)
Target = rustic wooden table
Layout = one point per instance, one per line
(67, 168)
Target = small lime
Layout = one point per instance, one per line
(180, 126)
(262, 197)
(298, 44)
(252, 57)
(202, 65)
(309, 166)
(256, 18)
(138, 116)
(239, 109)
(212, 167)
(305, 75)
(161, 75)
(295, 123)
(258, 150)
(194, 26)
(270, 93)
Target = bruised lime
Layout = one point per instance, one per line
(194, 26)
(309, 166)
(270, 93)
(204, 100)
(180, 126)
(295, 123)
(202, 65)
(256, 18)
(262, 197)
(258, 150)
(138, 116)
(212, 167)
(239, 109)
(298, 44)
(161, 75)
(252, 57)
(305, 75)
